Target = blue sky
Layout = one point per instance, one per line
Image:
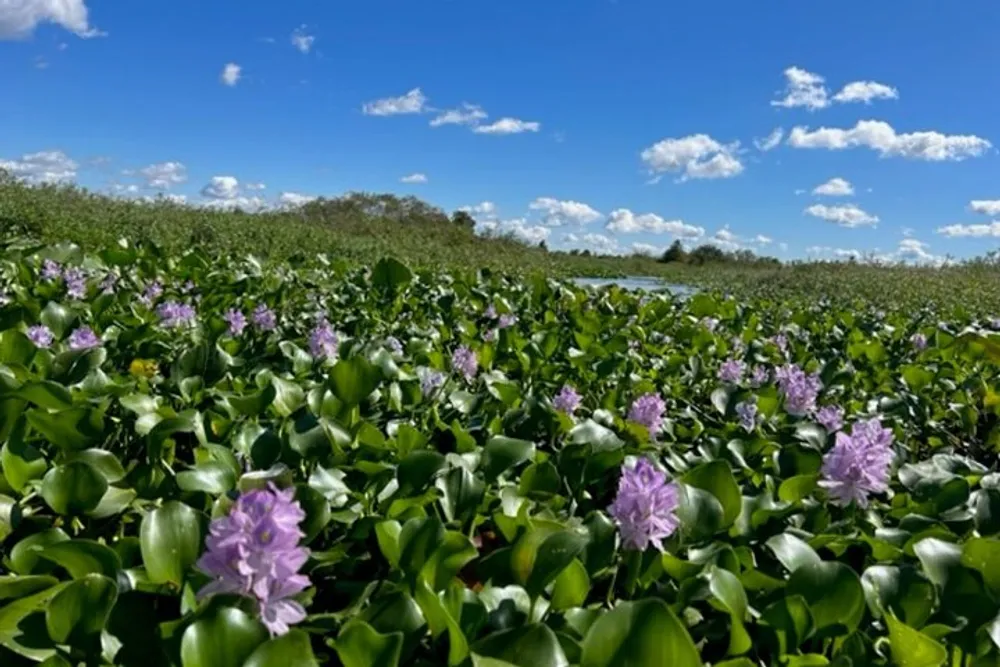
(613, 124)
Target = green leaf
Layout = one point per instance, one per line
(225, 637)
(290, 650)
(13, 613)
(720, 399)
(983, 555)
(716, 477)
(571, 587)
(601, 438)
(211, 477)
(795, 489)
(288, 396)
(416, 472)
(834, 594)
(791, 620)
(48, 395)
(81, 609)
(69, 430)
(14, 586)
(57, 318)
(102, 461)
(83, 557)
(352, 380)
(317, 509)
(554, 555)
(10, 516)
(527, 646)
(502, 453)
(645, 633)
(792, 552)
(461, 493)
(360, 645)
(170, 540)
(418, 540)
(73, 488)
(20, 461)
(912, 648)
(728, 591)
(25, 555)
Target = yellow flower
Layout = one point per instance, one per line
(143, 367)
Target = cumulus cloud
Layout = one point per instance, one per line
(602, 244)
(560, 212)
(770, 141)
(19, 18)
(985, 206)
(485, 210)
(845, 215)
(803, 89)
(163, 175)
(835, 187)
(42, 167)
(412, 102)
(982, 230)
(646, 249)
(221, 187)
(302, 40)
(694, 156)
(866, 91)
(518, 228)
(468, 114)
(760, 239)
(294, 199)
(414, 178)
(255, 187)
(231, 74)
(225, 192)
(508, 126)
(881, 137)
(625, 221)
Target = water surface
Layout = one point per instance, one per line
(636, 283)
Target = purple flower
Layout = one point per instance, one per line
(76, 282)
(490, 335)
(732, 371)
(394, 345)
(648, 410)
(491, 312)
(506, 320)
(645, 507)
(464, 361)
(41, 336)
(108, 283)
(567, 400)
(173, 315)
(430, 380)
(51, 270)
(323, 342)
(858, 464)
(919, 342)
(781, 340)
(264, 318)
(254, 551)
(187, 287)
(759, 377)
(747, 412)
(800, 390)
(236, 320)
(151, 293)
(83, 338)
(830, 417)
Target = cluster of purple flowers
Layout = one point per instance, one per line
(747, 412)
(506, 320)
(83, 338)
(464, 361)
(323, 341)
(799, 388)
(430, 380)
(567, 400)
(830, 417)
(41, 336)
(174, 315)
(781, 340)
(236, 320)
(491, 312)
(858, 464)
(108, 283)
(732, 371)
(759, 377)
(394, 345)
(648, 410)
(489, 335)
(51, 270)
(254, 551)
(151, 293)
(76, 282)
(645, 507)
(919, 342)
(264, 318)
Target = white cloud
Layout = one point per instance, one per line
(760, 239)
(486, 210)
(302, 40)
(508, 126)
(469, 114)
(803, 89)
(881, 137)
(175, 199)
(985, 206)
(646, 249)
(865, 91)
(518, 228)
(560, 212)
(255, 187)
(414, 178)
(293, 199)
(914, 249)
(835, 187)
(974, 231)
(602, 244)
(625, 221)
(19, 18)
(163, 175)
(770, 141)
(222, 187)
(845, 215)
(694, 156)
(225, 192)
(412, 102)
(231, 74)
(42, 167)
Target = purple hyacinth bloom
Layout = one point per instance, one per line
(323, 341)
(76, 282)
(800, 390)
(490, 335)
(151, 293)
(264, 318)
(430, 380)
(173, 314)
(236, 320)
(648, 410)
(254, 551)
(567, 400)
(187, 287)
(108, 283)
(506, 320)
(830, 417)
(491, 312)
(464, 361)
(919, 342)
(51, 270)
(83, 338)
(394, 345)
(41, 336)
(747, 412)
(858, 464)
(781, 340)
(645, 507)
(732, 371)
(759, 377)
